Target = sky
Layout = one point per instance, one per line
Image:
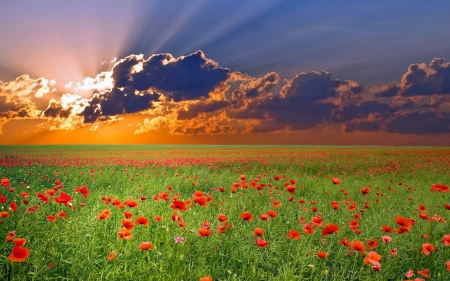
(225, 72)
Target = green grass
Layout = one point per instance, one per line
(77, 247)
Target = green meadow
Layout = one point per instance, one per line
(185, 212)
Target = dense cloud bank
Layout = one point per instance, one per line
(194, 95)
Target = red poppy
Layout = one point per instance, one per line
(329, 229)
(365, 191)
(24, 194)
(125, 234)
(424, 272)
(178, 205)
(13, 206)
(294, 234)
(261, 243)
(317, 221)
(276, 204)
(19, 241)
(112, 256)
(62, 215)
(264, 217)
(204, 232)
(386, 228)
(63, 198)
(291, 189)
(201, 200)
(405, 224)
(3, 199)
(272, 213)
(439, 187)
(128, 224)
(51, 218)
(409, 273)
(246, 216)
(4, 214)
(345, 242)
(19, 254)
(427, 248)
(336, 181)
(447, 263)
(222, 217)
(83, 190)
(372, 244)
(144, 246)
(258, 231)
(142, 221)
(386, 239)
(157, 218)
(308, 229)
(206, 278)
(277, 178)
(131, 203)
(373, 258)
(358, 246)
(5, 182)
(446, 239)
(10, 236)
(335, 205)
(322, 255)
(128, 214)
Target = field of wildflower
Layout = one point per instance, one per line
(224, 213)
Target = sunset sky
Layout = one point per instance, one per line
(225, 72)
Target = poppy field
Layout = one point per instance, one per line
(224, 213)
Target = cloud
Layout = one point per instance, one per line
(20, 99)
(421, 80)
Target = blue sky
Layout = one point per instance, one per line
(372, 43)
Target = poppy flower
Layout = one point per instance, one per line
(317, 221)
(329, 229)
(373, 258)
(157, 218)
(19, 254)
(5, 182)
(386, 239)
(335, 205)
(144, 246)
(62, 215)
(128, 224)
(3, 199)
(439, 187)
(272, 213)
(112, 256)
(264, 217)
(204, 232)
(372, 244)
(206, 278)
(386, 228)
(409, 273)
(424, 272)
(178, 205)
(179, 239)
(19, 241)
(10, 236)
(83, 190)
(336, 181)
(105, 214)
(128, 214)
(291, 189)
(261, 243)
(51, 218)
(13, 206)
(427, 248)
(4, 214)
(365, 191)
(358, 246)
(308, 229)
(446, 239)
(246, 216)
(24, 194)
(294, 234)
(322, 255)
(258, 231)
(276, 204)
(447, 263)
(394, 252)
(131, 203)
(277, 178)
(404, 223)
(63, 198)
(125, 234)
(142, 220)
(222, 217)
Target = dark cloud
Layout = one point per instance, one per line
(421, 80)
(185, 78)
(362, 110)
(55, 109)
(201, 107)
(118, 101)
(419, 122)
